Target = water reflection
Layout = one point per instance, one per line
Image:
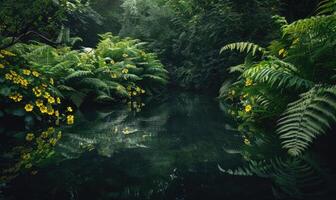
(169, 150)
(308, 176)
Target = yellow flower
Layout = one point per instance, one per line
(125, 55)
(138, 89)
(36, 74)
(24, 82)
(50, 111)
(13, 73)
(46, 95)
(113, 75)
(30, 136)
(248, 82)
(8, 76)
(135, 93)
(281, 51)
(26, 156)
(26, 72)
(29, 107)
(248, 108)
(51, 81)
(70, 119)
(69, 109)
(39, 102)
(37, 91)
(112, 62)
(43, 109)
(57, 113)
(16, 97)
(51, 129)
(143, 91)
(44, 134)
(2, 66)
(51, 100)
(59, 135)
(247, 142)
(58, 100)
(245, 95)
(124, 71)
(53, 141)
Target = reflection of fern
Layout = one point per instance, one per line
(307, 118)
(295, 177)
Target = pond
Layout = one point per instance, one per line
(171, 149)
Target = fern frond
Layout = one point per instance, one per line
(306, 118)
(154, 78)
(243, 47)
(276, 76)
(326, 7)
(93, 83)
(78, 75)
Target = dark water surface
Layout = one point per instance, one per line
(169, 150)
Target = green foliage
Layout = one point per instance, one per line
(43, 19)
(307, 118)
(243, 47)
(117, 69)
(326, 7)
(290, 84)
(187, 34)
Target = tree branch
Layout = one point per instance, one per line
(17, 39)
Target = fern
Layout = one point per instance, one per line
(78, 75)
(307, 118)
(326, 7)
(243, 47)
(277, 75)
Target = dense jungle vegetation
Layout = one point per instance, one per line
(68, 68)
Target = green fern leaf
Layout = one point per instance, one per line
(243, 47)
(306, 118)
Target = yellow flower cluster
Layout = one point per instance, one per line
(135, 90)
(17, 97)
(135, 105)
(16, 78)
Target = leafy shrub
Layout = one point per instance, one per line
(117, 69)
(290, 85)
(28, 97)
